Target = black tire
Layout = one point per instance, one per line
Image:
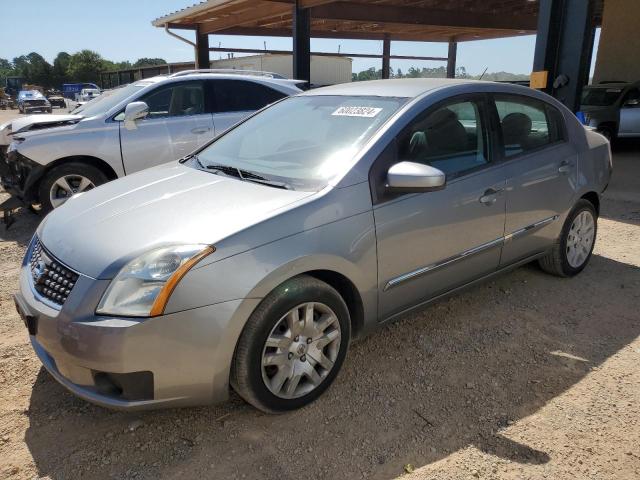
(96, 176)
(246, 370)
(556, 262)
(607, 133)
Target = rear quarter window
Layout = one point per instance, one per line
(242, 95)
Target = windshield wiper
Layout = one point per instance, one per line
(248, 176)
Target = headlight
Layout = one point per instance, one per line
(143, 287)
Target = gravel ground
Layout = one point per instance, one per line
(526, 376)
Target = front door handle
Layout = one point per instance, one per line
(564, 168)
(490, 196)
(200, 130)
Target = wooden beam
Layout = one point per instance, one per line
(451, 60)
(417, 36)
(301, 42)
(202, 49)
(386, 57)
(375, 13)
(326, 54)
(251, 15)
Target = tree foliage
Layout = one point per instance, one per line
(145, 62)
(83, 66)
(437, 72)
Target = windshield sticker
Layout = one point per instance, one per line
(368, 112)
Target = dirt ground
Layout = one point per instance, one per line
(525, 377)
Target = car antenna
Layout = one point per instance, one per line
(485, 71)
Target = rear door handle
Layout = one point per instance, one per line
(200, 130)
(490, 196)
(564, 168)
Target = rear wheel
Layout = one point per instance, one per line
(62, 182)
(607, 133)
(573, 250)
(292, 346)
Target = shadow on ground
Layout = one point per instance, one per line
(453, 375)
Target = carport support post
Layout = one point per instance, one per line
(202, 49)
(451, 59)
(386, 56)
(301, 43)
(564, 45)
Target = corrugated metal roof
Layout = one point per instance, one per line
(195, 8)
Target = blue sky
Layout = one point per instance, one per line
(121, 30)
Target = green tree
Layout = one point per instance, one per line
(6, 70)
(60, 67)
(40, 71)
(85, 66)
(145, 62)
(34, 68)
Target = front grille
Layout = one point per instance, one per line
(51, 279)
(34, 103)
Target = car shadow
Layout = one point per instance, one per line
(23, 224)
(457, 374)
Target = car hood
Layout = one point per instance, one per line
(97, 232)
(24, 124)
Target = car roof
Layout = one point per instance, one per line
(398, 87)
(227, 76)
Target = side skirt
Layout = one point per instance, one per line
(465, 286)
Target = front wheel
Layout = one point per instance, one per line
(573, 250)
(62, 182)
(292, 346)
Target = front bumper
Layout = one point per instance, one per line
(179, 359)
(35, 108)
(19, 175)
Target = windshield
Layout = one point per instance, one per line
(108, 100)
(302, 141)
(600, 97)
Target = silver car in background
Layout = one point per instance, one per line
(49, 158)
(255, 262)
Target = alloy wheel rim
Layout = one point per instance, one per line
(301, 350)
(580, 239)
(65, 187)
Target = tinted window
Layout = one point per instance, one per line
(240, 95)
(527, 124)
(600, 96)
(175, 100)
(451, 138)
(632, 95)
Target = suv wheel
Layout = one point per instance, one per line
(607, 133)
(62, 182)
(292, 346)
(572, 251)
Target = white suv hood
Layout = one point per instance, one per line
(23, 124)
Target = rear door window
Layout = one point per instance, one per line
(242, 96)
(527, 124)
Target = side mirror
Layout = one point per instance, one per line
(633, 102)
(133, 112)
(412, 177)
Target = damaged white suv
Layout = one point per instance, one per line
(45, 159)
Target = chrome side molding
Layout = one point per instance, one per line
(529, 228)
(394, 282)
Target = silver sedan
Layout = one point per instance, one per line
(254, 262)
